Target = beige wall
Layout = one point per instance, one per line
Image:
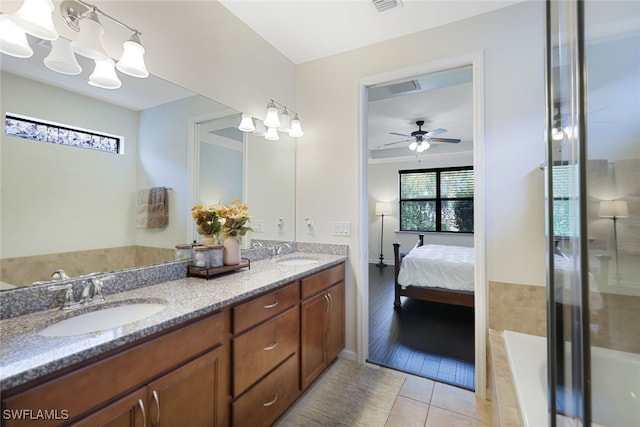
(328, 158)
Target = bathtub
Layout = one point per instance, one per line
(615, 382)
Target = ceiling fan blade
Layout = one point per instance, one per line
(397, 142)
(401, 134)
(436, 132)
(455, 141)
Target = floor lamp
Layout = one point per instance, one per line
(382, 208)
(614, 209)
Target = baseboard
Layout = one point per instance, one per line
(348, 354)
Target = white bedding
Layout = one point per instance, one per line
(440, 266)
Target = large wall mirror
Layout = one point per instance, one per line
(71, 208)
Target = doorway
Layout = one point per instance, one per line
(479, 317)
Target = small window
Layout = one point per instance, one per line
(565, 178)
(54, 133)
(437, 200)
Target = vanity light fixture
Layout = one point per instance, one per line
(35, 18)
(246, 123)
(274, 122)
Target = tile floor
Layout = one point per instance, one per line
(426, 403)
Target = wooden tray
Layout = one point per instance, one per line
(207, 273)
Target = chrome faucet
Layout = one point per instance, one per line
(282, 247)
(59, 275)
(91, 293)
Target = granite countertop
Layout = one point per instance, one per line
(26, 355)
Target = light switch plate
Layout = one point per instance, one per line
(342, 228)
(257, 225)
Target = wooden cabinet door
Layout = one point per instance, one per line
(129, 411)
(312, 334)
(335, 322)
(193, 395)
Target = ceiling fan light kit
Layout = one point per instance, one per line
(420, 139)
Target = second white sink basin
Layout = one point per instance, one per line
(298, 261)
(102, 319)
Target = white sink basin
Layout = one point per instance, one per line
(297, 261)
(102, 319)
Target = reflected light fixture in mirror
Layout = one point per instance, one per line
(35, 17)
(274, 122)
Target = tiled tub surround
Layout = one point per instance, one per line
(23, 271)
(25, 355)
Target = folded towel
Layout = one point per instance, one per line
(152, 210)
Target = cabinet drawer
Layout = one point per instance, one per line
(264, 307)
(92, 385)
(322, 280)
(267, 400)
(261, 349)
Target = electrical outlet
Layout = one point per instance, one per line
(258, 226)
(342, 228)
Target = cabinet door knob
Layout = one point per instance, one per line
(271, 305)
(271, 346)
(144, 415)
(275, 399)
(156, 399)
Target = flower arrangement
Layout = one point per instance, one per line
(229, 220)
(207, 219)
(235, 218)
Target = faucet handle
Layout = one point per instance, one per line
(67, 299)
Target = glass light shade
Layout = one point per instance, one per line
(132, 60)
(613, 209)
(61, 58)
(35, 18)
(104, 75)
(413, 146)
(272, 120)
(383, 208)
(90, 40)
(13, 39)
(272, 134)
(285, 121)
(246, 123)
(296, 128)
(557, 134)
(260, 130)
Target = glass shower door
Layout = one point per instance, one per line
(593, 211)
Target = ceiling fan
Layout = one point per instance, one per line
(422, 139)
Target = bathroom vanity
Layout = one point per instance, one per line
(235, 350)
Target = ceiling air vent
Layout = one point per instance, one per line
(382, 5)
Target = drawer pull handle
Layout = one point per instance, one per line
(271, 305)
(271, 346)
(275, 399)
(144, 415)
(156, 399)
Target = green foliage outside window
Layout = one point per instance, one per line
(437, 200)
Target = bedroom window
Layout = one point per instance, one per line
(437, 200)
(564, 181)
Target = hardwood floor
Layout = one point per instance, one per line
(428, 339)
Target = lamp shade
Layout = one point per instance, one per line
(90, 40)
(104, 75)
(613, 209)
(132, 60)
(296, 128)
(13, 39)
(61, 58)
(272, 134)
(272, 120)
(246, 123)
(383, 208)
(285, 121)
(35, 18)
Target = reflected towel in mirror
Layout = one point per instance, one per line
(152, 209)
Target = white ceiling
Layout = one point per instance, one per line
(304, 30)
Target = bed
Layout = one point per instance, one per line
(436, 273)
